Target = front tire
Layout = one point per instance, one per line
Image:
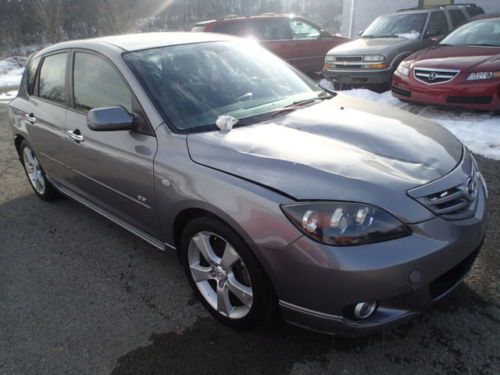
(224, 273)
(35, 173)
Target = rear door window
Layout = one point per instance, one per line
(457, 17)
(238, 28)
(97, 84)
(271, 29)
(52, 81)
(438, 24)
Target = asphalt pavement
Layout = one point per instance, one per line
(80, 295)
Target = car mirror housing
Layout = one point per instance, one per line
(110, 119)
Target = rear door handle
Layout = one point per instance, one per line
(75, 135)
(30, 118)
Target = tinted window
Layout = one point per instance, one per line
(97, 84)
(231, 28)
(271, 29)
(52, 78)
(192, 85)
(31, 74)
(475, 10)
(457, 17)
(303, 30)
(438, 24)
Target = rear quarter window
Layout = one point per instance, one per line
(198, 29)
(31, 74)
(457, 17)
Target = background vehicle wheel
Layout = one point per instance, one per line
(36, 176)
(224, 273)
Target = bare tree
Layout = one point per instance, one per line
(49, 15)
(117, 16)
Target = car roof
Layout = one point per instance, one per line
(136, 42)
(241, 18)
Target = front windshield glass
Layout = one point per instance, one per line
(478, 33)
(192, 85)
(403, 25)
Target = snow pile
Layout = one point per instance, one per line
(11, 71)
(6, 97)
(412, 35)
(479, 131)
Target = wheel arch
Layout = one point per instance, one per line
(18, 140)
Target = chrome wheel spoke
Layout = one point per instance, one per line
(200, 273)
(229, 257)
(202, 242)
(242, 292)
(223, 302)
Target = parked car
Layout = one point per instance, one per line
(296, 39)
(463, 70)
(371, 60)
(348, 215)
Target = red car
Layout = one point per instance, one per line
(296, 39)
(463, 70)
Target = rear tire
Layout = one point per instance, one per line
(224, 273)
(35, 173)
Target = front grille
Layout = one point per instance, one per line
(456, 202)
(434, 76)
(450, 279)
(348, 62)
(469, 99)
(401, 92)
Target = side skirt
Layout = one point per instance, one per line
(122, 223)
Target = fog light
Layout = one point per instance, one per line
(363, 310)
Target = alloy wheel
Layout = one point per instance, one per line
(34, 170)
(220, 275)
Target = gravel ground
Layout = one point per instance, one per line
(79, 295)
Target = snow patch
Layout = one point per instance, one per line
(6, 97)
(11, 71)
(479, 131)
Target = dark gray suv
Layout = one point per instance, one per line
(370, 60)
(347, 215)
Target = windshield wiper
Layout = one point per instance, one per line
(299, 104)
(380, 36)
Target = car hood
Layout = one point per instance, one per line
(342, 149)
(373, 46)
(461, 58)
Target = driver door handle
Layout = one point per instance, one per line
(30, 118)
(75, 135)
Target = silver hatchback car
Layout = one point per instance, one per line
(346, 215)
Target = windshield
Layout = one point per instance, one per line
(478, 33)
(192, 85)
(403, 25)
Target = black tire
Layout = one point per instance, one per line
(49, 192)
(263, 297)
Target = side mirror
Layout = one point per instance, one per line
(110, 119)
(361, 32)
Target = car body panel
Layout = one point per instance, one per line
(341, 149)
(325, 153)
